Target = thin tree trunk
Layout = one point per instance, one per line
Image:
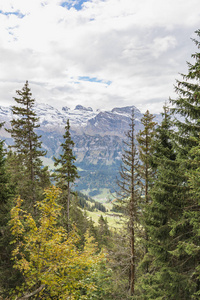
(132, 214)
(132, 273)
(68, 204)
(147, 203)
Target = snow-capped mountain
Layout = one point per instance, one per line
(50, 116)
(97, 135)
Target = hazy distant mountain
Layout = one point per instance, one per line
(97, 135)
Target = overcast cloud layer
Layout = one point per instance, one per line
(96, 53)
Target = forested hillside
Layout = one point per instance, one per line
(50, 248)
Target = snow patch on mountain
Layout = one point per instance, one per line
(80, 117)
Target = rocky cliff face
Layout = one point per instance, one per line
(98, 137)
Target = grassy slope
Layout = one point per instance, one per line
(102, 197)
(115, 220)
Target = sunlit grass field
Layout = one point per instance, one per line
(115, 220)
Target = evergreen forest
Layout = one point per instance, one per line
(51, 249)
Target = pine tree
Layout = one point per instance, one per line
(185, 231)
(173, 216)
(190, 246)
(27, 146)
(146, 149)
(167, 200)
(103, 232)
(172, 226)
(163, 143)
(187, 105)
(66, 172)
(128, 198)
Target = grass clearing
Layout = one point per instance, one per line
(114, 221)
(103, 196)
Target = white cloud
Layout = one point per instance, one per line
(163, 44)
(139, 46)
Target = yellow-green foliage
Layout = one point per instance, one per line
(47, 256)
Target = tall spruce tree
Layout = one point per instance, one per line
(146, 149)
(128, 199)
(66, 172)
(187, 105)
(167, 200)
(190, 246)
(27, 147)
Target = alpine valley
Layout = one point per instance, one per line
(98, 137)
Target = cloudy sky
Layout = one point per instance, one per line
(98, 53)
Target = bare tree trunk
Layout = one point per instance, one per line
(129, 192)
(68, 204)
(132, 266)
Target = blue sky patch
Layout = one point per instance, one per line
(93, 79)
(16, 13)
(76, 4)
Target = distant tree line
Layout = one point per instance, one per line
(89, 203)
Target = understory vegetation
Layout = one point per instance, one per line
(52, 248)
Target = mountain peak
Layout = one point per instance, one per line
(80, 107)
(65, 108)
(126, 111)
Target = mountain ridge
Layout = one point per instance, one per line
(98, 137)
